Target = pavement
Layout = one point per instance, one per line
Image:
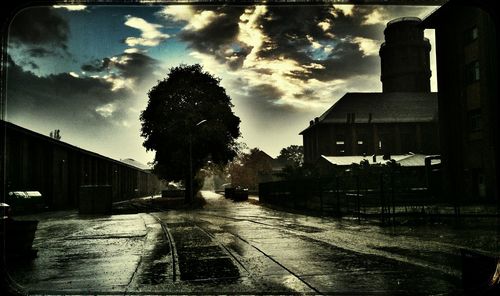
(231, 247)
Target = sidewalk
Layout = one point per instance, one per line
(78, 253)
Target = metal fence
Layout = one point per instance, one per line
(383, 194)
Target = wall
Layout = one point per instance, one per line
(35, 162)
(396, 138)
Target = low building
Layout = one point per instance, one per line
(35, 162)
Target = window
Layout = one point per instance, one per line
(360, 142)
(351, 117)
(340, 144)
(472, 72)
(471, 35)
(474, 120)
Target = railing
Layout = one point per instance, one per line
(384, 196)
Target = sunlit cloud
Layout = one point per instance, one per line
(345, 8)
(178, 12)
(119, 83)
(368, 46)
(71, 7)
(195, 20)
(375, 17)
(201, 20)
(133, 50)
(150, 35)
(324, 25)
(251, 34)
(106, 110)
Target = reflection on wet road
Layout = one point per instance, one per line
(230, 247)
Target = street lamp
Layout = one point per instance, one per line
(191, 161)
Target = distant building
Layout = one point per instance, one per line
(135, 163)
(274, 167)
(401, 119)
(467, 72)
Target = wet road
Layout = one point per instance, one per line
(230, 247)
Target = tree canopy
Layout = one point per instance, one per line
(292, 155)
(189, 109)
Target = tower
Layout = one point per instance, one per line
(404, 57)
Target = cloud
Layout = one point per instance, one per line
(38, 52)
(39, 26)
(286, 64)
(150, 34)
(71, 7)
(97, 65)
(126, 69)
(368, 46)
(89, 113)
(212, 30)
(66, 97)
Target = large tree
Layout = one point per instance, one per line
(187, 122)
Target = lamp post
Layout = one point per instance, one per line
(191, 161)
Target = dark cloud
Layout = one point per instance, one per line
(128, 65)
(219, 36)
(33, 65)
(137, 65)
(288, 28)
(291, 31)
(236, 59)
(62, 97)
(39, 26)
(97, 65)
(265, 93)
(307, 94)
(38, 52)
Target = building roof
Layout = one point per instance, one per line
(406, 160)
(445, 11)
(389, 107)
(276, 164)
(9, 126)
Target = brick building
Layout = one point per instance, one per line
(401, 119)
(467, 72)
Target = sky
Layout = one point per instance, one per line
(86, 70)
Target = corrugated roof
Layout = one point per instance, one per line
(406, 160)
(11, 126)
(394, 107)
(415, 160)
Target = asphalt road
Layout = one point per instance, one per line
(244, 248)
